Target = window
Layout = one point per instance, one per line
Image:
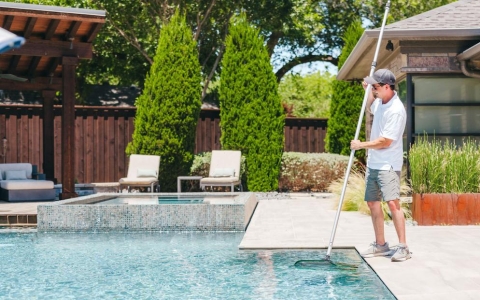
(446, 107)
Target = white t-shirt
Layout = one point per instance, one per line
(389, 122)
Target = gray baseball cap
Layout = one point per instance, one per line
(381, 76)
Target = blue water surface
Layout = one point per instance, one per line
(156, 265)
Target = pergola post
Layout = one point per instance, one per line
(48, 135)
(68, 127)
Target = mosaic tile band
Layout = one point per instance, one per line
(80, 214)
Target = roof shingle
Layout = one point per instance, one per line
(463, 14)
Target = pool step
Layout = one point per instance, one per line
(18, 220)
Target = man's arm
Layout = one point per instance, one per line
(379, 143)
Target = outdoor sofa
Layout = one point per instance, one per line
(17, 184)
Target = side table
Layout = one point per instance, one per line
(180, 178)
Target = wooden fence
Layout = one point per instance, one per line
(102, 134)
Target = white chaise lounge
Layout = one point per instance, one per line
(17, 184)
(142, 172)
(224, 170)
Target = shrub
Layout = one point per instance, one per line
(437, 167)
(310, 171)
(354, 195)
(345, 105)
(251, 113)
(169, 107)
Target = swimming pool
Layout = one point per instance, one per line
(174, 265)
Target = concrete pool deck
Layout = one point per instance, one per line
(445, 263)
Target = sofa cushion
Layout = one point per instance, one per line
(15, 175)
(16, 167)
(27, 184)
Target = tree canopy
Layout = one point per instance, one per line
(294, 31)
(307, 96)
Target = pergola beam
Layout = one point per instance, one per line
(49, 48)
(29, 27)
(7, 22)
(51, 29)
(73, 29)
(38, 84)
(13, 64)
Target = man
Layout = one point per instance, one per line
(384, 162)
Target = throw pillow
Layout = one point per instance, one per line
(146, 173)
(223, 172)
(16, 175)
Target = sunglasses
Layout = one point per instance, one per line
(379, 85)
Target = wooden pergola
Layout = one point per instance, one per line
(56, 39)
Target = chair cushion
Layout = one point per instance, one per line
(223, 172)
(16, 175)
(147, 173)
(219, 180)
(27, 184)
(137, 181)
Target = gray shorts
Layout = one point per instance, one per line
(382, 185)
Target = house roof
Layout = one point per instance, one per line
(455, 21)
(51, 33)
(461, 14)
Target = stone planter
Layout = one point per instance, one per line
(446, 209)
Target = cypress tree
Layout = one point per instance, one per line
(346, 103)
(251, 113)
(169, 106)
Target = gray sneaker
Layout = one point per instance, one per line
(376, 250)
(402, 253)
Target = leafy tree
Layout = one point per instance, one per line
(374, 10)
(169, 107)
(295, 32)
(251, 114)
(308, 96)
(125, 47)
(345, 105)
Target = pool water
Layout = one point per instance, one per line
(176, 265)
(169, 199)
(152, 200)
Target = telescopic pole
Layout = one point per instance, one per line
(357, 133)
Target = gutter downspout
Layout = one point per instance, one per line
(466, 71)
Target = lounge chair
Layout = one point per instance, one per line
(224, 170)
(142, 172)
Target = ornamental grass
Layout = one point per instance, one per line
(354, 198)
(444, 167)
